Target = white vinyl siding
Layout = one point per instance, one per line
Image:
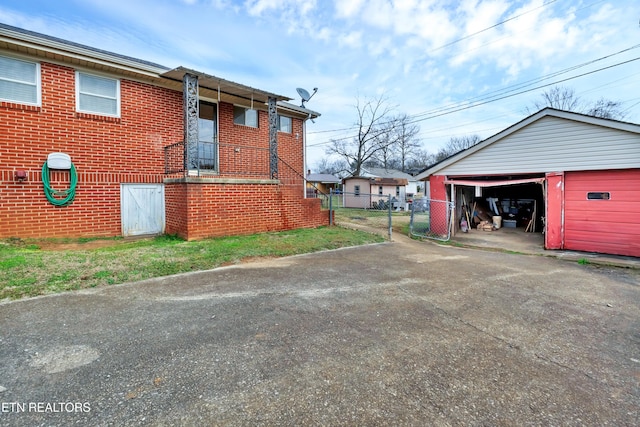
(97, 95)
(553, 144)
(19, 81)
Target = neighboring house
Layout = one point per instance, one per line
(151, 149)
(411, 187)
(321, 183)
(580, 174)
(365, 192)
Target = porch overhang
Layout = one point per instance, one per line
(225, 90)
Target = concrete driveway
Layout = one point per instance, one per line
(402, 333)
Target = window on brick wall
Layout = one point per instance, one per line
(97, 95)
(208, 136)
(19, 81)
(284, 124)
(245, 116)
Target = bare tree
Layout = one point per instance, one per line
(559, 97)
(564, 98)
(373, 128)
(455, 145)
(400, 143)
(606, 109)
(336, 167)
(385, 155)
(407, 143)
(419, 160)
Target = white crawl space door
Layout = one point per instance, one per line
(142, 207)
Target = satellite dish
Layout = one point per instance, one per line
(304, 94)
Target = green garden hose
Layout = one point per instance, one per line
(68, 195)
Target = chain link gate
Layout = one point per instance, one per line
(431, 219)
(362, 209)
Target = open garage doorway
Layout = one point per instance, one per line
(488, 206)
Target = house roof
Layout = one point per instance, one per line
(380, 180)
(386, 173)
(324, 178)
(33, 44)
(536, 117)
(43, 46)
(390, 181)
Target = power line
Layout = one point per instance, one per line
(528, 83)
(454, 108)
(509, 19)
(493, 99)
(493, 26)
(509, 88)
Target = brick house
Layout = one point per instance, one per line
(153, 150)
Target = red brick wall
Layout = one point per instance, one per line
(233, 209)
(109, 151)
(105, 151)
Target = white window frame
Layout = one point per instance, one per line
(257, 125)
(99, 113)
(38, 84)
(280, 124)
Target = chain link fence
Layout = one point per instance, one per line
(431, 219)
(380, 213)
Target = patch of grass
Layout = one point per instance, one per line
(13, 262)
(30, 267)
(584, 261)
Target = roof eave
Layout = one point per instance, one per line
(310, 114)
(223, 86)
(545, 112)
(46, 47)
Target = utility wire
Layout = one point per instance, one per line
(498, 92)
(524, 84)
(493, 99)
(500, 95)
(493, 26)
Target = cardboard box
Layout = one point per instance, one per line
(486, 226)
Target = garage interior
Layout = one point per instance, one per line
(491, 204)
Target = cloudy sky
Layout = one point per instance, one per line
(455, 67)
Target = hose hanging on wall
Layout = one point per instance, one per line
(56, 162)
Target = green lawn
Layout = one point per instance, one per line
(32, 267)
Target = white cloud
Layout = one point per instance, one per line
(292, 7)
(352, 39)
(348, 8)
(536, 35)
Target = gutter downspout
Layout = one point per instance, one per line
(304, 156)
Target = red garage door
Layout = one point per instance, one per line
(602, 212)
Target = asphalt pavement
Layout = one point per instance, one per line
(399, 333)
